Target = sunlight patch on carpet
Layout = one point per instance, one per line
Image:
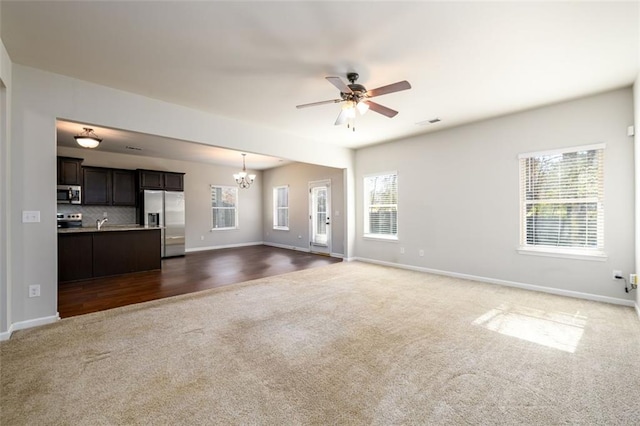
(556, 330)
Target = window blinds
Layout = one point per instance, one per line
(224, 206)
(381, 205)
(281, 207)
(562, 198)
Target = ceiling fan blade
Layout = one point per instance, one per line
(341, 85)
(395, 87)
(332, 101)
(380, 109)
(342, 118)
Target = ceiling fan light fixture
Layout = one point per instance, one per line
(349, 109)
(356, 99)
(362, 107)
(87, 138)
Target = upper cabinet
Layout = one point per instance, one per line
(114, 187)
(69, 171)
(174, 181)
(96, 186)
(153, 179)
(109, 187)
(124, 187)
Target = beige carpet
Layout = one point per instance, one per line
(348, 343)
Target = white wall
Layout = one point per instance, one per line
(5, 185)
(197, 180)
(39, 98)
(298, 176)
(459, 196)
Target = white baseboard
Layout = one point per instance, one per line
(303, 249)
(196, 249)
(284, 246)
(560, 292)
(6, 334)
(258, 243)
(638, 310)
(21, 325)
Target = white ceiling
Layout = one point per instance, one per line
(254, 61)
(132, 143)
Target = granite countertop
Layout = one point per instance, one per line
(107, 228)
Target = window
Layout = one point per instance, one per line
(561, 201)
(224, 207)
(381, 206)
(281, 207)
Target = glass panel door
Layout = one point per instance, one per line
(320, 210)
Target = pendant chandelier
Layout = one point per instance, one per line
(244, 180)
(87, 138)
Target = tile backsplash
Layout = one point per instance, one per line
(117, 215)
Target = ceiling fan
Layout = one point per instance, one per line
(356, 97)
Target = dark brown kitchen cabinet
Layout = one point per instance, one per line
(154, 179)
(109, 187)
(86, 255)
(69, 171)
(96, 182)
(124, 187)
(173, 181)
(75, 257)
(116, 253)
(150, 179)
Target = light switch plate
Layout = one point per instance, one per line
(30, 216)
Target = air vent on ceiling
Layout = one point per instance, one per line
(425, 122)
(133, 148)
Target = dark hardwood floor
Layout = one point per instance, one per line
(181, 275)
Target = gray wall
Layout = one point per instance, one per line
(298, 176)
(197, 180)
(459, 195)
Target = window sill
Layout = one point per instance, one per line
(280, 228)
(566, 253)
(223, 229)
(388, 238)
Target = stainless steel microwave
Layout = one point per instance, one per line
(69, 194)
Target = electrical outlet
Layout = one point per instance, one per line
(421, 252)
(616, 274)
(633, 279)
(201, 237)
(401, 250)
(104, 215)
(34, 291)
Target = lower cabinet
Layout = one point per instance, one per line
(100, 254)
(75, 257)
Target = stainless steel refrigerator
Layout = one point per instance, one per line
(165, 209)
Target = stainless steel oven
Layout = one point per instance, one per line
(69, 194)
(69, 220)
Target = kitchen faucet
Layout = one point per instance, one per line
(99, 222)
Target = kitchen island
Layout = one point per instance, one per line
(85, 253)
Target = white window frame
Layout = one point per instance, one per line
(276, 208)
(589, 253)
(235, 207)
(367, 231)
